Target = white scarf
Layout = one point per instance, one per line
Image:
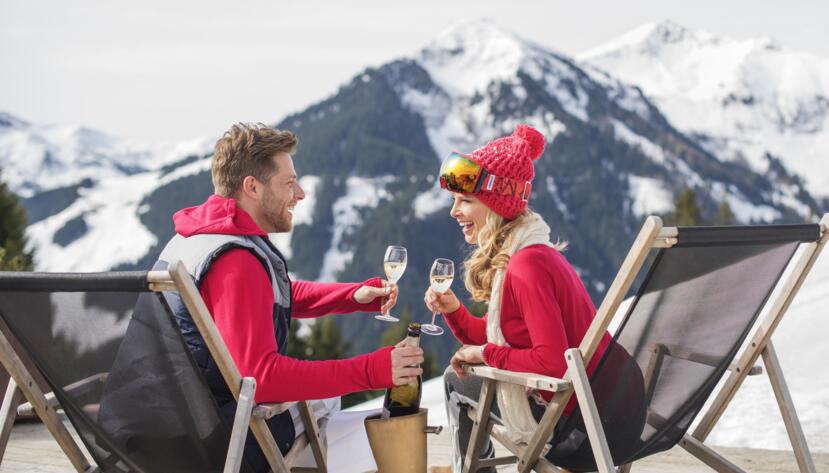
(513, 399)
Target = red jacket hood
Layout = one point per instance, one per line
(218, 215)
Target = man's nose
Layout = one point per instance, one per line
(300, 194)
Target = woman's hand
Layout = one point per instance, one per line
(445, 303)
(467, 355)
(388, 292)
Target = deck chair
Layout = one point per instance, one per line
(706, 290)
(105, 349)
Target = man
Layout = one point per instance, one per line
(244, 282)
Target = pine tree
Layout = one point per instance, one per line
(13, 255)
(325, 341)
(297, 346)
(724, 215)
(686, 211)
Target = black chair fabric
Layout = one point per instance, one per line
(118, 365)
(692, 313)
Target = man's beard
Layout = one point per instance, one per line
(281, 223)
(275, 213)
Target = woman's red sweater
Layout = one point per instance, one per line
(545, 309)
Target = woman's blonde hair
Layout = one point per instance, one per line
(492, 253)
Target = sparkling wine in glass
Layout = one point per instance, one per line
(394, 264)
(440, 279)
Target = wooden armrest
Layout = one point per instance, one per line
(270, 409)
(78, 388)
(530, 380)
(705, 359)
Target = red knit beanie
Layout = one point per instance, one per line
(510, 156)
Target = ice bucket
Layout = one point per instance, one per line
(399, 443)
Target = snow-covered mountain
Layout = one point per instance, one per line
(37, 158)
(750, 100)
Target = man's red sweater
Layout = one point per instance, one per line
(545, 309)
(239, 295)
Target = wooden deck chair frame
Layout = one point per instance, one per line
(26, 381)
(575, 381)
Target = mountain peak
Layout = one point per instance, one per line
(472, 31)
(470, 54)
(665, 31)
(651, 38)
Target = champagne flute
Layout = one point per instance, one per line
(440, 278)
(394, 263)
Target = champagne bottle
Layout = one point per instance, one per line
(404, 400)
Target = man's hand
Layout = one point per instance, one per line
(445, 303)
(467, 355)
(405, 361)
(388, 292)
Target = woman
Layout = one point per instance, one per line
(538, 306)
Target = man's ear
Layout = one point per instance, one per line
(251, 187)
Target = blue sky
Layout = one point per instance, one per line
(161, 70)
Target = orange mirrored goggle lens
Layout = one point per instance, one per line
(460, 174)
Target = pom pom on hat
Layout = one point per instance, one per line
(512, 157)
(534, 139)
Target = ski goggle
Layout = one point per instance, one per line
(460, 174)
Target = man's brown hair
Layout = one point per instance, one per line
(247, 150)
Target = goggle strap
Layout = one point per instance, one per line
(490, 182)
(493, 183)
(525, 194)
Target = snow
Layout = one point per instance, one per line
(741, 207)
(649, 196)
(628, 97)
(104, 245)
(553, 72)
(431, 201)
(469, 56)
(749, 97)
(187, 170)
(432, 106)
(42, 157)
(166, 153)
(361, 192)
(647, 147)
